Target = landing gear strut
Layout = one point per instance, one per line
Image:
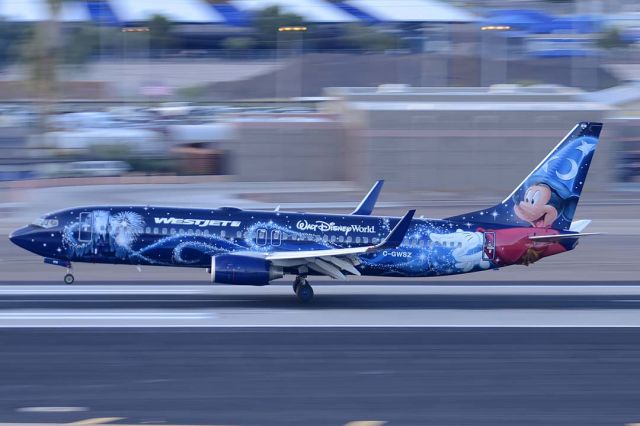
(69, 279)
(303, 290)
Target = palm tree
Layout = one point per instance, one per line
(41, 54)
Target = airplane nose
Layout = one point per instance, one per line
(20, 236)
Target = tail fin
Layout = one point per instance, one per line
(548, 197)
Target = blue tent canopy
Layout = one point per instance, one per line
(358, 13)
(101, 13)
(232, 15)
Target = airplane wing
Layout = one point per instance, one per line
(367, 204)
(333, 262)
(558, 237)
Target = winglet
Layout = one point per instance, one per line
(367, 204)
(395, 237)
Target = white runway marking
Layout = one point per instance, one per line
(52, 409)
(239, 307)
(327, 318)
(346, 289)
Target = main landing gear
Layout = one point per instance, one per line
(303, 290)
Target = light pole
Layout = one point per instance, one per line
(486, 31)
(125, 31)
(280, 76)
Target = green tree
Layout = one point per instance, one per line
(267, 22)
(367, 38)
(161, 36)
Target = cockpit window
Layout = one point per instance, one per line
(42, 222)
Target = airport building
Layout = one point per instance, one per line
(445, 139)
(419, 139)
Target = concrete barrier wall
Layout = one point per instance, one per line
(459, 152)
(289, 150)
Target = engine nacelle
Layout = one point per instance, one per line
(243, 270)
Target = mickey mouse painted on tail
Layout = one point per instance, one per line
(548, 196)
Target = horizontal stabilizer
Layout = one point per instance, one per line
(559, 237)
(579, 225)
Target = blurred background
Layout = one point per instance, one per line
(305, 103)
(423, 93)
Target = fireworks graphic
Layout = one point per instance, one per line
(125, 227)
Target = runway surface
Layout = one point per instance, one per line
(368, 304)
(366, 354)
(419, 376)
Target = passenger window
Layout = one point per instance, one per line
(365, 240)
(223, 234)
(198, 232)
(325, 238)
(374, 240)
(357, 240)
(164, 231)
(349, 239)
(190, 231)
(173, 231)
(206, 232)
(276, 237)
(341, 238)
(156, 231)
(147, 230)
(333, 238)
(182, 231)
(262, 237)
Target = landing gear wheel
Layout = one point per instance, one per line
(68, 279)
(298, 282)
(304, 293)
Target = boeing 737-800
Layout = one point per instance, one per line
(244, 247)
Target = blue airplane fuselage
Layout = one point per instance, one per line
(184, 237)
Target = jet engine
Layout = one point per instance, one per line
(243, 270)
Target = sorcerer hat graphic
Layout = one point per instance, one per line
(565, 169)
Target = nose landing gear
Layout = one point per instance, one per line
(69, 279)
(303, 289)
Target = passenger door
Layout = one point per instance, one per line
(85, 232)
(489, 246)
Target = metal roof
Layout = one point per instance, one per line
(38, 10)
(317, 11)
(184, 11)
(412, 11)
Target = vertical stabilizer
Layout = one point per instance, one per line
(549, 195)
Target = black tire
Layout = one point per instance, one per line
(68, 279)
(305, 293)
(297, 283)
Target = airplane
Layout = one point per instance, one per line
(248, 247)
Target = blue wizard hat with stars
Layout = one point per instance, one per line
(565, 170)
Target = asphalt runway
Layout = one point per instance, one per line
(368, 304)
(418, 376)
